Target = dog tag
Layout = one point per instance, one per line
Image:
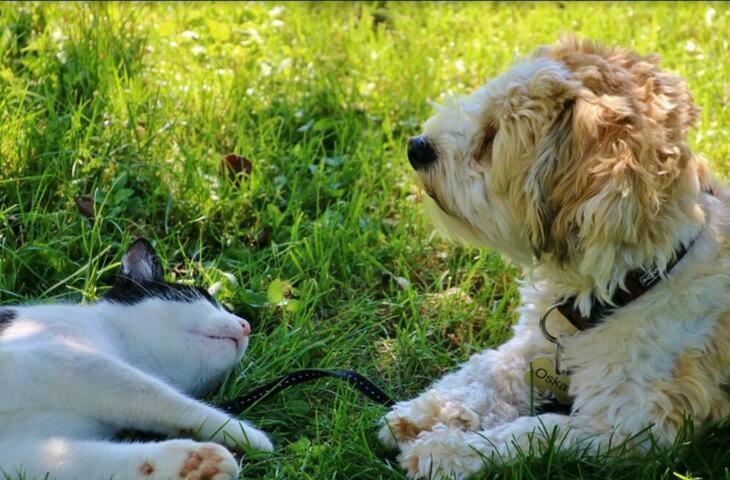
(545, 378)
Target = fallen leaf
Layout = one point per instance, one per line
(455, 341)
(276, 291)
(292, 306)
(85, 205)
(237, 166)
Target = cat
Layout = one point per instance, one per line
(72, 376)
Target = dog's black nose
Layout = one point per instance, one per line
(420, 152)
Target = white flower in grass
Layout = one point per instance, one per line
(403, 283)
(198, 50)
(190, 35)
(366, 89)
(284, 64)
(58, 36)
(253, 37)
(276, 11)
(265, 69)
(459, 64)
(709, 16)
(277, 23)
(166, 126)
(690, 46)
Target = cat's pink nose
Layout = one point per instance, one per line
(246, 327)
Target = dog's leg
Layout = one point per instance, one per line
(450, 453)
(489, 389)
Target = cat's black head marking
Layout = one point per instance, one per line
(142, 277)
(6, 318)
(129, 292)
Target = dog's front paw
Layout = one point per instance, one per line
(408, 419)
(187, 460)
(443, 453)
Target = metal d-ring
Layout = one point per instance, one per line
(550, 338)
(543, 324)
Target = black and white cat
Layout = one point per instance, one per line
(71, 376)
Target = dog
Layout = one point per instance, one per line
(575, 165)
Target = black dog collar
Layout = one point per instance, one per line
(637, 282)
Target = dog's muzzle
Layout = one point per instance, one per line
(421, 152)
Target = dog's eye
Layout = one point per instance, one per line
(483, 154)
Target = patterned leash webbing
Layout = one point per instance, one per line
(365, 386)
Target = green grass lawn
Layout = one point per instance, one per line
(132, 107)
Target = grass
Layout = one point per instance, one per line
(134, 106)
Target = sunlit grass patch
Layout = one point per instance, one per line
(132, 108)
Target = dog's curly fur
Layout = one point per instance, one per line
(574, 163)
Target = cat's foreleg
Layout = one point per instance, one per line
(69, 459)
(102, 388)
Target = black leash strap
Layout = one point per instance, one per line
(365, 386)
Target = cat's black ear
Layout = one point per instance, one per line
(141, 263)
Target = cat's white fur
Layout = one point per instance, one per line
(73, 376)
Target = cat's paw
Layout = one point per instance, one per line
(237, 433)
(188, 460)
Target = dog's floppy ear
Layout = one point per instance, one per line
(552, 152)
(602, 176)
(593, 177)
(597, 175)
(613, 184)
(606, 172)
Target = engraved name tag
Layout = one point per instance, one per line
(545, 378)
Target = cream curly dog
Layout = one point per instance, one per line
(574, 164)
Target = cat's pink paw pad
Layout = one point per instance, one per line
(188, 460)
(209, 462)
